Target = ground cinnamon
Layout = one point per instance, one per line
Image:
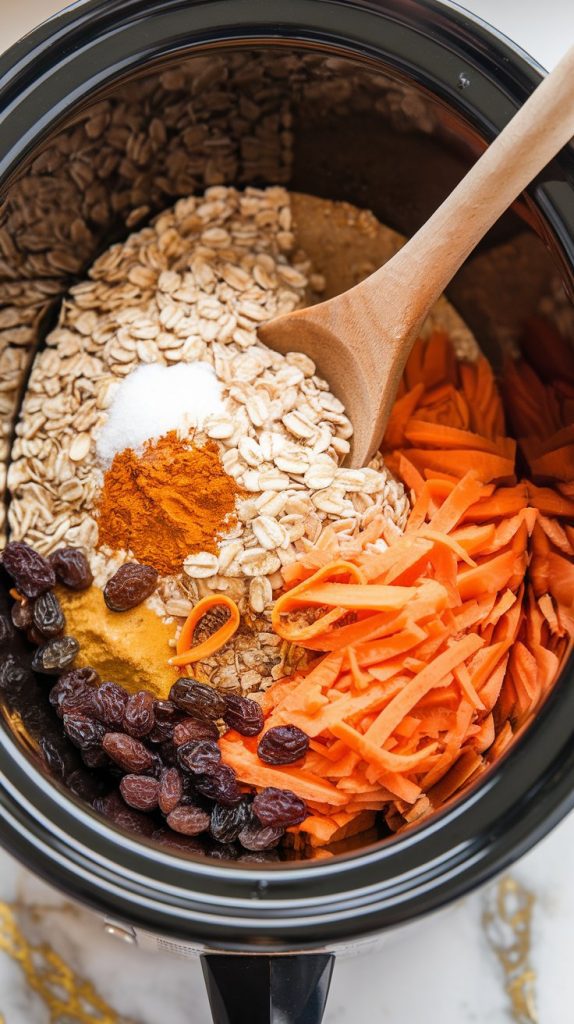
(172, 500)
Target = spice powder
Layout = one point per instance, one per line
(172, 500)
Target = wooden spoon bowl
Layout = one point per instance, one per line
(360, 340)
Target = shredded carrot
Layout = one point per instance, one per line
(435, 650)
(186, 654)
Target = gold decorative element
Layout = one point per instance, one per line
(69, 998)
(508, 926)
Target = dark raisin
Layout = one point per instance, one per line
(138, 716)
(199, 757)
(95, 757)
(22, 613)
(157, 765)
(168, 752)
(166, 711)
(33, 636)
(6, 631)
(84, 732)
(283, 744)
(81, 700)
(72, 568)
(55, 656)
(48, 615)
(259, 857)
(193, 729)
(255, 837)
(110, 701)
(220, 785)
(15, 677)
(227, 822)
(129, 586)
(170, 790)
(140, 791)
(279, 807)
(190, 820)
(75, 681)
(161, 732)
(177, 842)
(31, 572)
(58, 755)
(198, 699)
(117, 811)
(243, 714)
(129, 753)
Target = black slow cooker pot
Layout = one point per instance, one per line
(111, 111)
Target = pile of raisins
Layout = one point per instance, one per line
(159, 760)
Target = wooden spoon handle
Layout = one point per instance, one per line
(430, 259)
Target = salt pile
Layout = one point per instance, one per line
(155, 399)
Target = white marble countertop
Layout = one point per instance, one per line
(449, 968)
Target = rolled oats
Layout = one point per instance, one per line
(201, 566)
(269, 533)
(195, 284)
(260, 594)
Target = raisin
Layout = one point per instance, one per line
(78, 680)
(279, 807)
(48, 616)
(110, 701)
(34, 637)
(31, 572)
(139, 716)
(55, 656)
(179, 843)
(95, 757)
(81, 701)
(58, 755)
(190, 820)
(161, 732)
(192, 729)
(255, 837)
(129, 586)
(243, 714)
(6, 631)
(129, 753)
(170, 790)
(22, 613)
(200, 757)
(198, 699)
(72, 568)
(157, 765)
(140, 791)
(166, 711)
(15, 677)
(85, 733)
(168, 752)
(117, 811)
(220, 785)
(283, 744)
(227, 822)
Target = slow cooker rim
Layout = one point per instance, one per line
(558, 772)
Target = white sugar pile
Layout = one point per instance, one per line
(155, 399)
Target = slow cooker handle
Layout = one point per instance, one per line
(267, 989)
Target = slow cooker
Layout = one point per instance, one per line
(111, 111)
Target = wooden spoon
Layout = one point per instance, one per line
(360, 340)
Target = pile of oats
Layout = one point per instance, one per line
(195, 285)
